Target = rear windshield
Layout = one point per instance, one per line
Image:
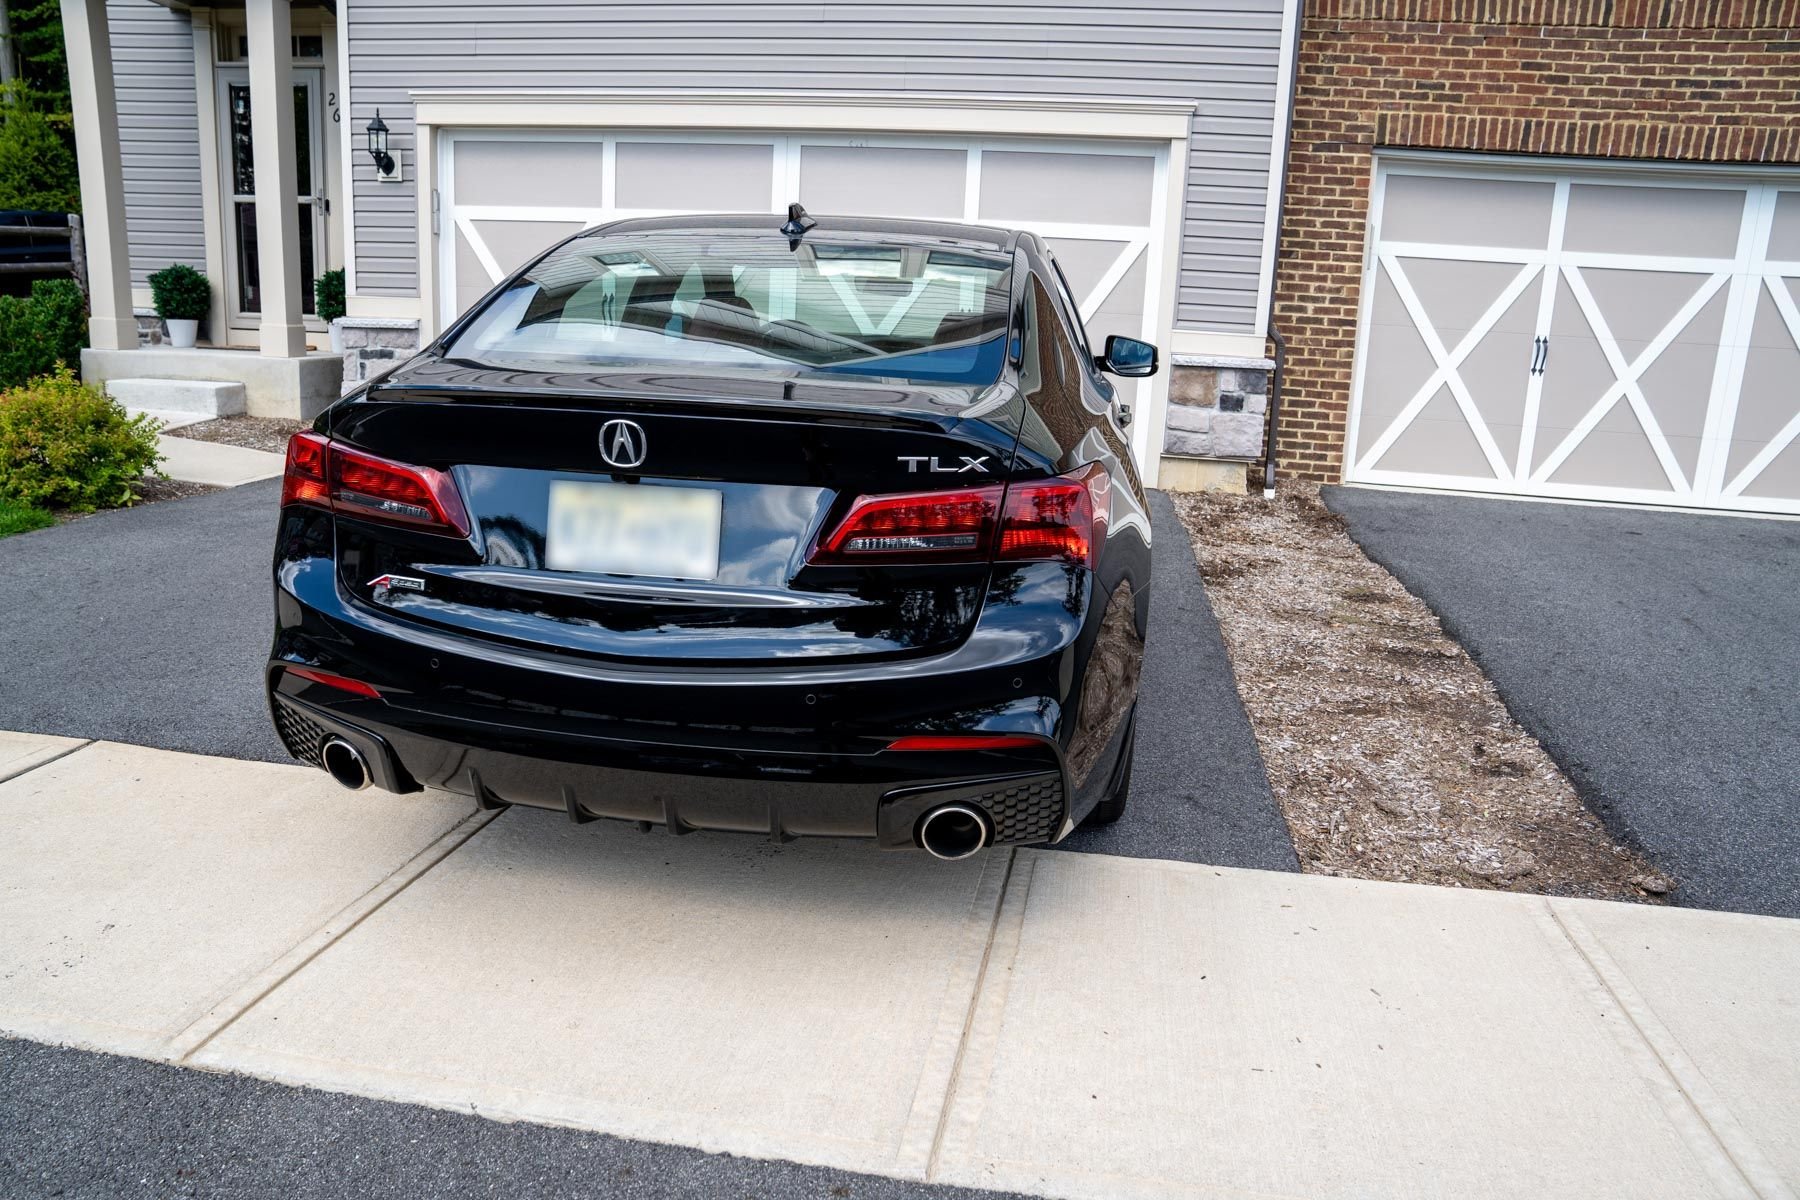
(747, 301)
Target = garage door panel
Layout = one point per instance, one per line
(1636, 306)
(1396, 366)
(1780, 479)
(1617, 454)
(1653, 357)
(689, 176)
(1639, 220)
(1085, 261)
(1494, 372)
(1768, 403)
(512, 244)
(1784, 232)
(558, 173)
(1457, 295)
(1581, 377)
(884, 181)
(1082, 189)
(1439, 441)
(1455, 211)
(506, 200)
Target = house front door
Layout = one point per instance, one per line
(243, 282)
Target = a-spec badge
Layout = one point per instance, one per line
(931, 466)
(403, 583)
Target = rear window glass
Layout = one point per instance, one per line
(838, 306)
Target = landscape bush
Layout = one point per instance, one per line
(328, 296)
(64, 445)
(41, 330)
(180, 293)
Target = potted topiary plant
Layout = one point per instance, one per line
(182, 298)
(328, 298)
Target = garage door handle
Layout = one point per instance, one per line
(1540, 355)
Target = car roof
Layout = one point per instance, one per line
(974, 237)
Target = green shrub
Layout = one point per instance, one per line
(180, 293)
(22, 518)
(37, 164)
(69, 446)
(328, 296)
(40, 330)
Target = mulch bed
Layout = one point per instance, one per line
(150, 491)
(1389, 751)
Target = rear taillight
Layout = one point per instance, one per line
(333, 476)
(938, 526)
(1061, 519)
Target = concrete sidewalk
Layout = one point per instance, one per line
(1072, 1025)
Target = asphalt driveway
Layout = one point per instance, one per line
(1656, 656)
(151, 626)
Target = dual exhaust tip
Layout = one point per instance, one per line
(949, 831)
(953, 831)
(345, 763)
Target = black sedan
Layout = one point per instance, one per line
(825, 527)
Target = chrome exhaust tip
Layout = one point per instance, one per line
(344, 763)
(953, 831)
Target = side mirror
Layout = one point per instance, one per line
(1127, 357)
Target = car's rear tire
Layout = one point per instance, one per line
(1112, 805)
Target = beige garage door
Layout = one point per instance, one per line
(1590, 336)
(504, 197)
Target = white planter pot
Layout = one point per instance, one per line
(182, 333)
(337, 338)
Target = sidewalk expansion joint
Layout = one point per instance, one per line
(995, 977)
(190, 1041)
(1693, 1106)
(83, 744)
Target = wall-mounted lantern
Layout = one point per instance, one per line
(386, 169)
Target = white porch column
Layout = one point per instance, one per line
(111, 325)
(272, 144)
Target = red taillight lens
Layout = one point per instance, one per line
(1062, 519)
(342, 683)
(962, 741)
(334, 476)
(388, 490)
(934, 525)
(303, 482)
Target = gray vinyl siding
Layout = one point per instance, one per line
(1220, 54)
(159, 136)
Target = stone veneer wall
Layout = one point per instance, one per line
(1217, 407)
(374, 344)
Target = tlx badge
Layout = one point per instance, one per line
(933, 467)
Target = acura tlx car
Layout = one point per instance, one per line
(824, 527)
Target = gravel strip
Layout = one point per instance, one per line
(1389, 752)
(253, 433)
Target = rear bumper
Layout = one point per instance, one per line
(881, 796)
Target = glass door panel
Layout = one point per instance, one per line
(241, 172)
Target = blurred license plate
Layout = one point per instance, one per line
(630, 529)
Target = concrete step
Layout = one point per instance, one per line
(203, 398)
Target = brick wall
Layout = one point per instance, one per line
(1701, 81)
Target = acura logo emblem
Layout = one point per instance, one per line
(622, 444)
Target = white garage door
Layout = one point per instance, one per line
(1584, 335)
(505, 196)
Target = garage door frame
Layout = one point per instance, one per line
(1156, 128)
(1738, 276)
